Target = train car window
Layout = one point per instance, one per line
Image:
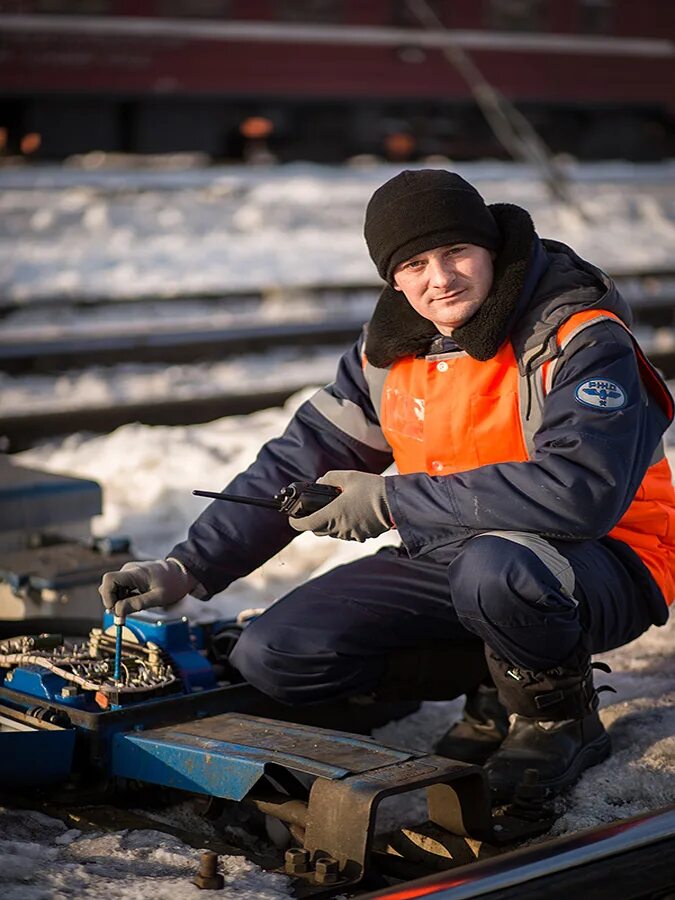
(310, 10)
(516, 15)
(195, 9)
(72, 7)
(596, 16)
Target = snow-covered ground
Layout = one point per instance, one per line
(100, 386)
(68, 232)
(102, 233)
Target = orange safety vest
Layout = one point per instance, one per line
(435, 424)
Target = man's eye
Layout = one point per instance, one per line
(454, 251)
(415, 264)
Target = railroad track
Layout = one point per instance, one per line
(198, 328)
(176, 329)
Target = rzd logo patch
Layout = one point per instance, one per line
(600, 394)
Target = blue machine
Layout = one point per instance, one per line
(178, 640)
(154, 700)
(54, 691)
(177, 719)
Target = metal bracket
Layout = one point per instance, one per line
(229, 756)
(341, 814)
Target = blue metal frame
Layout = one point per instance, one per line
(36, 757)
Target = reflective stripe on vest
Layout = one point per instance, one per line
(567, 332)
(349, 418)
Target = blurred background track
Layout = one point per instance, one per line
(312, 326)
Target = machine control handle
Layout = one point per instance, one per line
(118, 622)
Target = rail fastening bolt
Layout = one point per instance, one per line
(296, 861)
(326, 870)
(208, 877)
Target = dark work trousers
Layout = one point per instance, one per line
(331, 637)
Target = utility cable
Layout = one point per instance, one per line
(511, 128)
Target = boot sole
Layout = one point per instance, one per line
(591, 755)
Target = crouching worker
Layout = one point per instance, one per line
(533, 502)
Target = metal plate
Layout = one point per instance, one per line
(226, 755)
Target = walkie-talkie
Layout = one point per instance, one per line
(297, 499)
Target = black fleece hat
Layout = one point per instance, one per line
(419, 210)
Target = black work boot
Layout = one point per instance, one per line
(480, 731)
(555, 727)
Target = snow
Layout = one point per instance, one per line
(46, 861)
(127, 383)
(100, 233)
(114, 233)
(75, 233)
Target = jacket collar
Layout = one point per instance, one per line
(397, 330)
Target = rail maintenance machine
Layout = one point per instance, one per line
(87, 705)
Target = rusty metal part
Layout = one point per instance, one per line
(326, 870)
(434, 847)
(280, 806)
(529, 800)
(296, 861)
(208, 878)
(456, 795)
(349, 777)
(528, 814)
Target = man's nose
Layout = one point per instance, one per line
(442, 271)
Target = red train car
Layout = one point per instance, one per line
(327, 79)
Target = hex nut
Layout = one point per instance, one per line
(326, 870)
(296, 861)
(69, 690)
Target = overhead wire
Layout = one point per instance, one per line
(511, 128)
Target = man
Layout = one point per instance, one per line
(533, 501)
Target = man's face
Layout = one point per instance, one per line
(448, 284)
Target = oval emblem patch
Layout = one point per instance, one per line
(601, 394)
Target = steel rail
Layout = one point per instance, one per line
(20, 432)
(320, 292)
(188, 345)
(652, 298)
(634, 284)
(561, 858)
(62, 354)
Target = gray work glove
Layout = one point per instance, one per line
(140, 585)
(358, 513)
